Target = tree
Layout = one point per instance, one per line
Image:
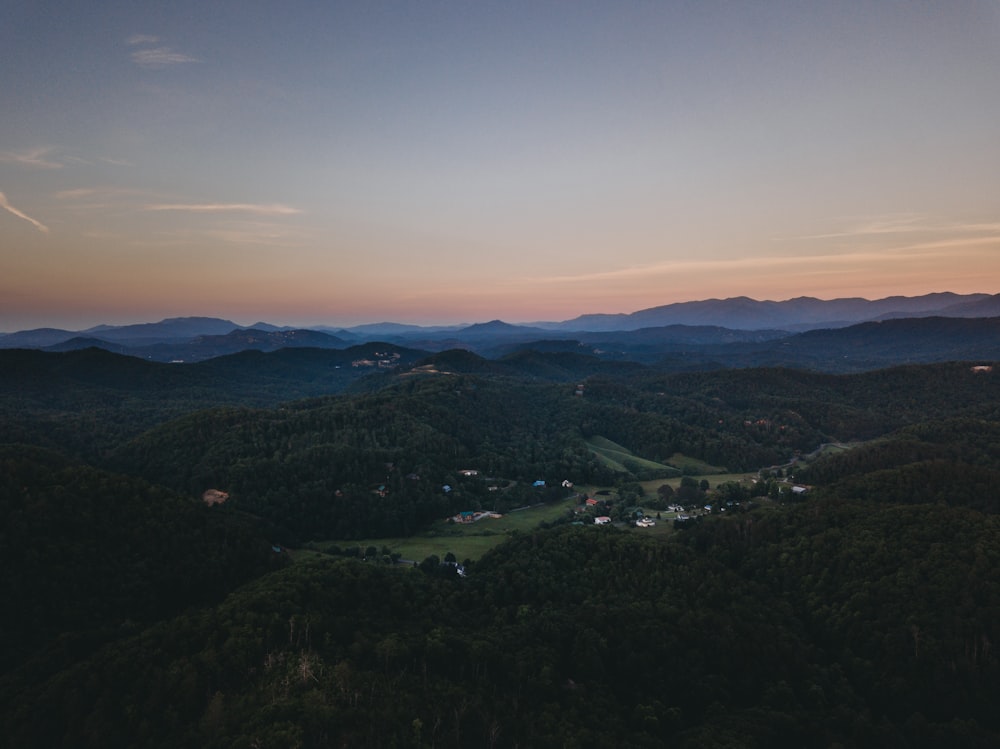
(431, 564)
(689, 490)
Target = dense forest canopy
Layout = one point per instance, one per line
(862, 611)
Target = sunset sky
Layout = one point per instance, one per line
(443, 162)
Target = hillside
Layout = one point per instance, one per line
(145, 617)
(88, 401)
(89, 555)
(805, 629)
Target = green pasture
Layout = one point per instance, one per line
(663, 527)
(689, 465)
(473, 540)
(465, 541)
(621, 459)
(714, 479)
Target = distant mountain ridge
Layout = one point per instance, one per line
(168, 329)
(739, 313)
(208, 346)
(801, 313)
(645, 335)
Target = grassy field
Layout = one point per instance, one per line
(465, 541)
(621, 459)
(714, 479)
(691, 465)
(473, 540)
(664, 527)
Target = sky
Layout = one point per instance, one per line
(439, 162)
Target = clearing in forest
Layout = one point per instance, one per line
(622, 460)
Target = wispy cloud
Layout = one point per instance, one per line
(152, 54)
(141, 39)
(115, 162)
(161, 57)
(896, 224)
(242, 232)
(260, 233)
(275, 209)
(130, 200)
(103, 192)
(941, 249)
(81, 192)
(84, 200)
(890, 223)
(36, 157)
(682, 266)
(20, 214)
(954, 242)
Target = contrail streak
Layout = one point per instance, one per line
(8, 207)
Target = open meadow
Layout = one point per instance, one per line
(464, 540)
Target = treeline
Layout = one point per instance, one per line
(952, 462)
(848, 407)
(378, 464)
(87, 403)
(385, 463)
(813, 626)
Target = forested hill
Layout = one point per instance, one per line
(88, 402)
(861, 612)
(374, 463)
(952, 462)
(833, 625)
(248, 376)
(91, 555)
(874, 345)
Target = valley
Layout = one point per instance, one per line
(793, 584)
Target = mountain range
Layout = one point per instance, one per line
(801, 313)
(717, 332)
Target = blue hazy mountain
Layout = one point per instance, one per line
(802, 313)
(743, 324)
